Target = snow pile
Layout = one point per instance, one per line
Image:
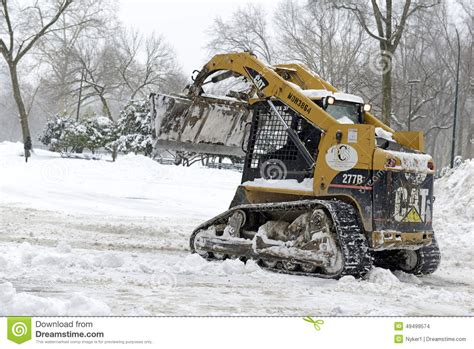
(29, 256)
(382, 277)
(287, 184)
(19, 303)
(347, 97)
(195, 264)
(295, 86)
(108, 260)
(51, 260)
(62, 247)
(339, 96)
(453, 217)
(3, 263)
(129, 223)
(347, 279)
(407, 278)
(11, 152)
(455, 195)
(412, 162)
(381, 133)
(134, 185)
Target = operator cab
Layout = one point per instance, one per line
(344, 107)
(273, 155)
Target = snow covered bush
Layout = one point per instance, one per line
(66, 135)
(100, 132)
(135, 129)
(132, 133)
(53, 132)
(73, 138)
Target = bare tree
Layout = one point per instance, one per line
(144, 63)
(246, 30)
(390, 23)
(427, 52)
(326, 40)
(98, 60)
(123, 66)
(467, 82)
(85, 21)
(18, 36)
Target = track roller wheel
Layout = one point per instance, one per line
(423, 261)
(308, 268)
(219, 256)
(269, 264)
(291, 266)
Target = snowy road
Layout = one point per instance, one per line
(96, 238)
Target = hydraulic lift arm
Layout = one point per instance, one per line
(268, 83)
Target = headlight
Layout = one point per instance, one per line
(330, 100)
(367, 107)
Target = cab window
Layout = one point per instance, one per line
(345, 112)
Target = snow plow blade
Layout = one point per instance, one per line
(200, 124)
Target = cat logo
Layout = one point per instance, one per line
(259, 81)
(412, 216)
(412, 206)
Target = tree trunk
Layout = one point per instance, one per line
(466, 112)
(25, 128)
(432, 147)
(105, 107)
(387, 88)
(470, 139)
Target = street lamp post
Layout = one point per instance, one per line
(411, 83)
(453, 145)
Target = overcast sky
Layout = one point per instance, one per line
(183, 23)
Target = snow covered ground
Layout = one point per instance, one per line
(81, 237)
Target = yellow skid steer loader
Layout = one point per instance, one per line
(327, 189)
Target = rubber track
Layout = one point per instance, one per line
(429, 258)
(354, 246)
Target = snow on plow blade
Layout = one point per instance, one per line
(200, 124)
